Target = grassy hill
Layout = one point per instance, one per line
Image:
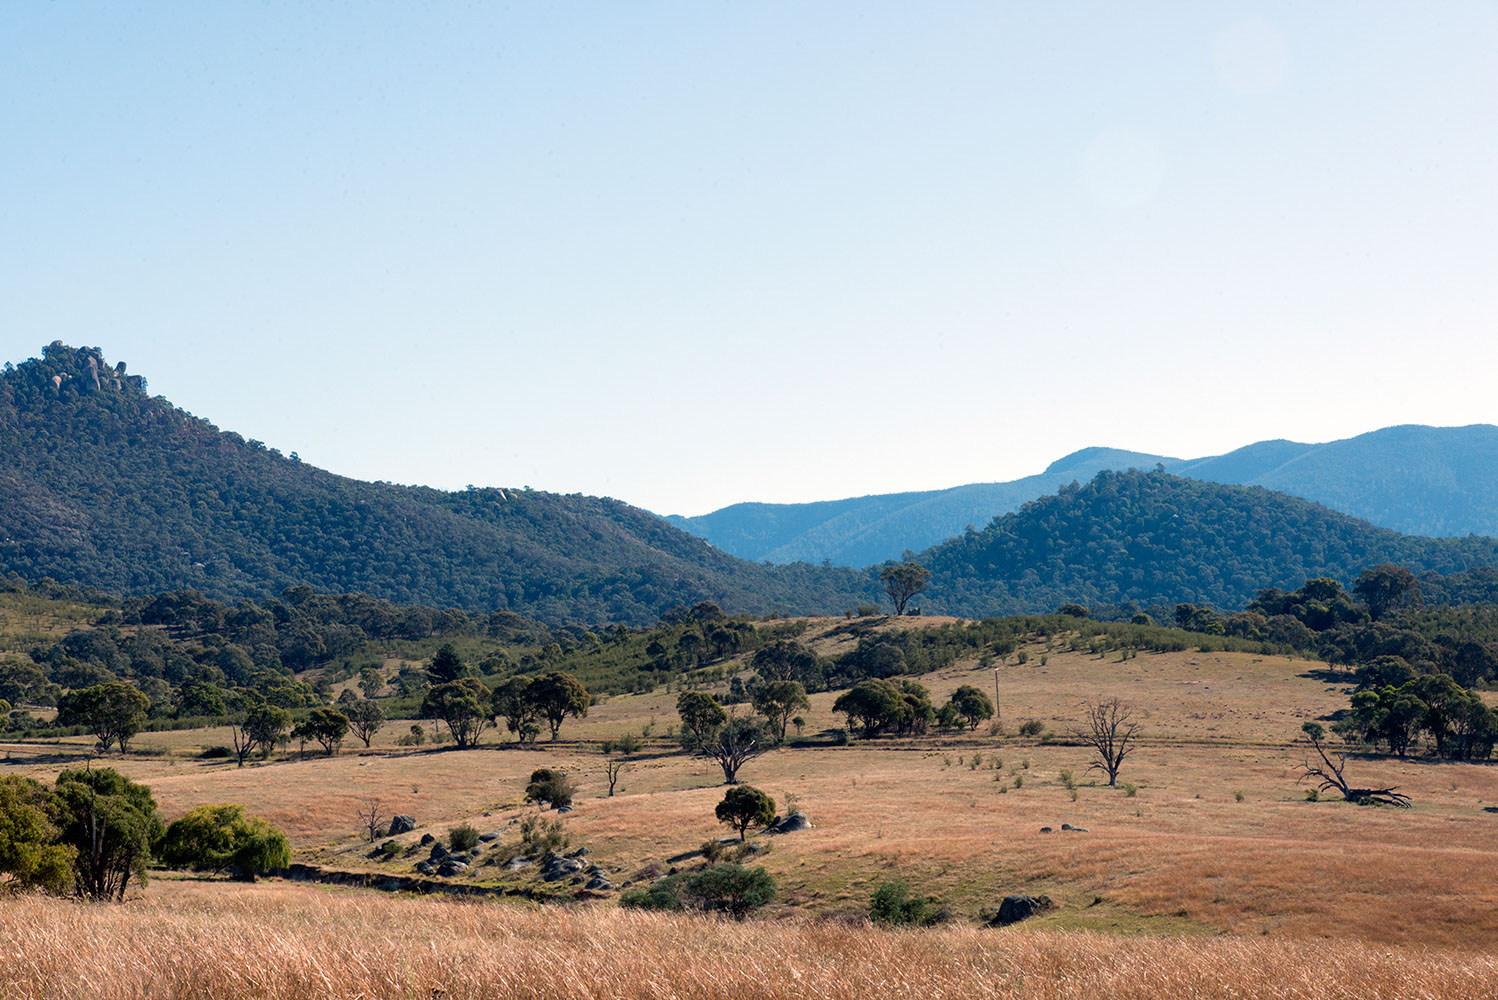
(102, 485)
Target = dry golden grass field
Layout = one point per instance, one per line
(1214, 877)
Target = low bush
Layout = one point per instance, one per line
(892, 904)
(462, 838)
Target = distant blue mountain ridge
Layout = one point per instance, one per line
(1434, 481)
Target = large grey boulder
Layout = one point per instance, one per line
(1016, 908)
(795, 821)
(400, 825)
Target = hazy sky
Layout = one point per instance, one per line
(686, 254)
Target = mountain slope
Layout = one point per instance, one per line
(861, 531)
(1438, 481)
(102, 485)
(1155, 538)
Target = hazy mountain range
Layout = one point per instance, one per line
(1435, 481)
(102, 485)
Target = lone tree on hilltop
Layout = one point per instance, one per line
(1110, 730)
(1329, 773)
(744, 806)
(903, 581)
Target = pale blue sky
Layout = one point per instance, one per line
(690, 254)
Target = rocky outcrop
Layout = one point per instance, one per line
(1016, 908)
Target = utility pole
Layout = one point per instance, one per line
(998, 715)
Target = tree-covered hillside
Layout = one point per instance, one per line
(1437, 481)
(102, 485)
(860, 531)
(1154, 538)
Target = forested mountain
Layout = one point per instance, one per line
(1438, 481)
(102, 485)
(1155, 538)
(860, 531)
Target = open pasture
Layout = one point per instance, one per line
(1215, 838)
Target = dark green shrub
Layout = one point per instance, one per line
(213, 753)
(550, 786)
(892, 904)
(217, 838)
(730, 888)
(662, 894)
(390, 848)
(462, 838)
(1031, 727)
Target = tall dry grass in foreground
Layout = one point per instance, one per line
(281, 942)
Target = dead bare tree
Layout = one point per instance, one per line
(1110, 730)
(1329, 773)
(613, 768)
(370, 818)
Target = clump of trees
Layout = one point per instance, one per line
(94, 833)
(878, 705)
(221, 838)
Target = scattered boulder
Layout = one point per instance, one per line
(1045, 829)
(516, 864)
(559, 868)
(438, 852)
(401, 824)
(1073, 829)
(790, 824)
(564, 809)
(427, 838)
(1016, 908)
(488, 837)
(599, 884)
(451, 868)
(425, 867)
